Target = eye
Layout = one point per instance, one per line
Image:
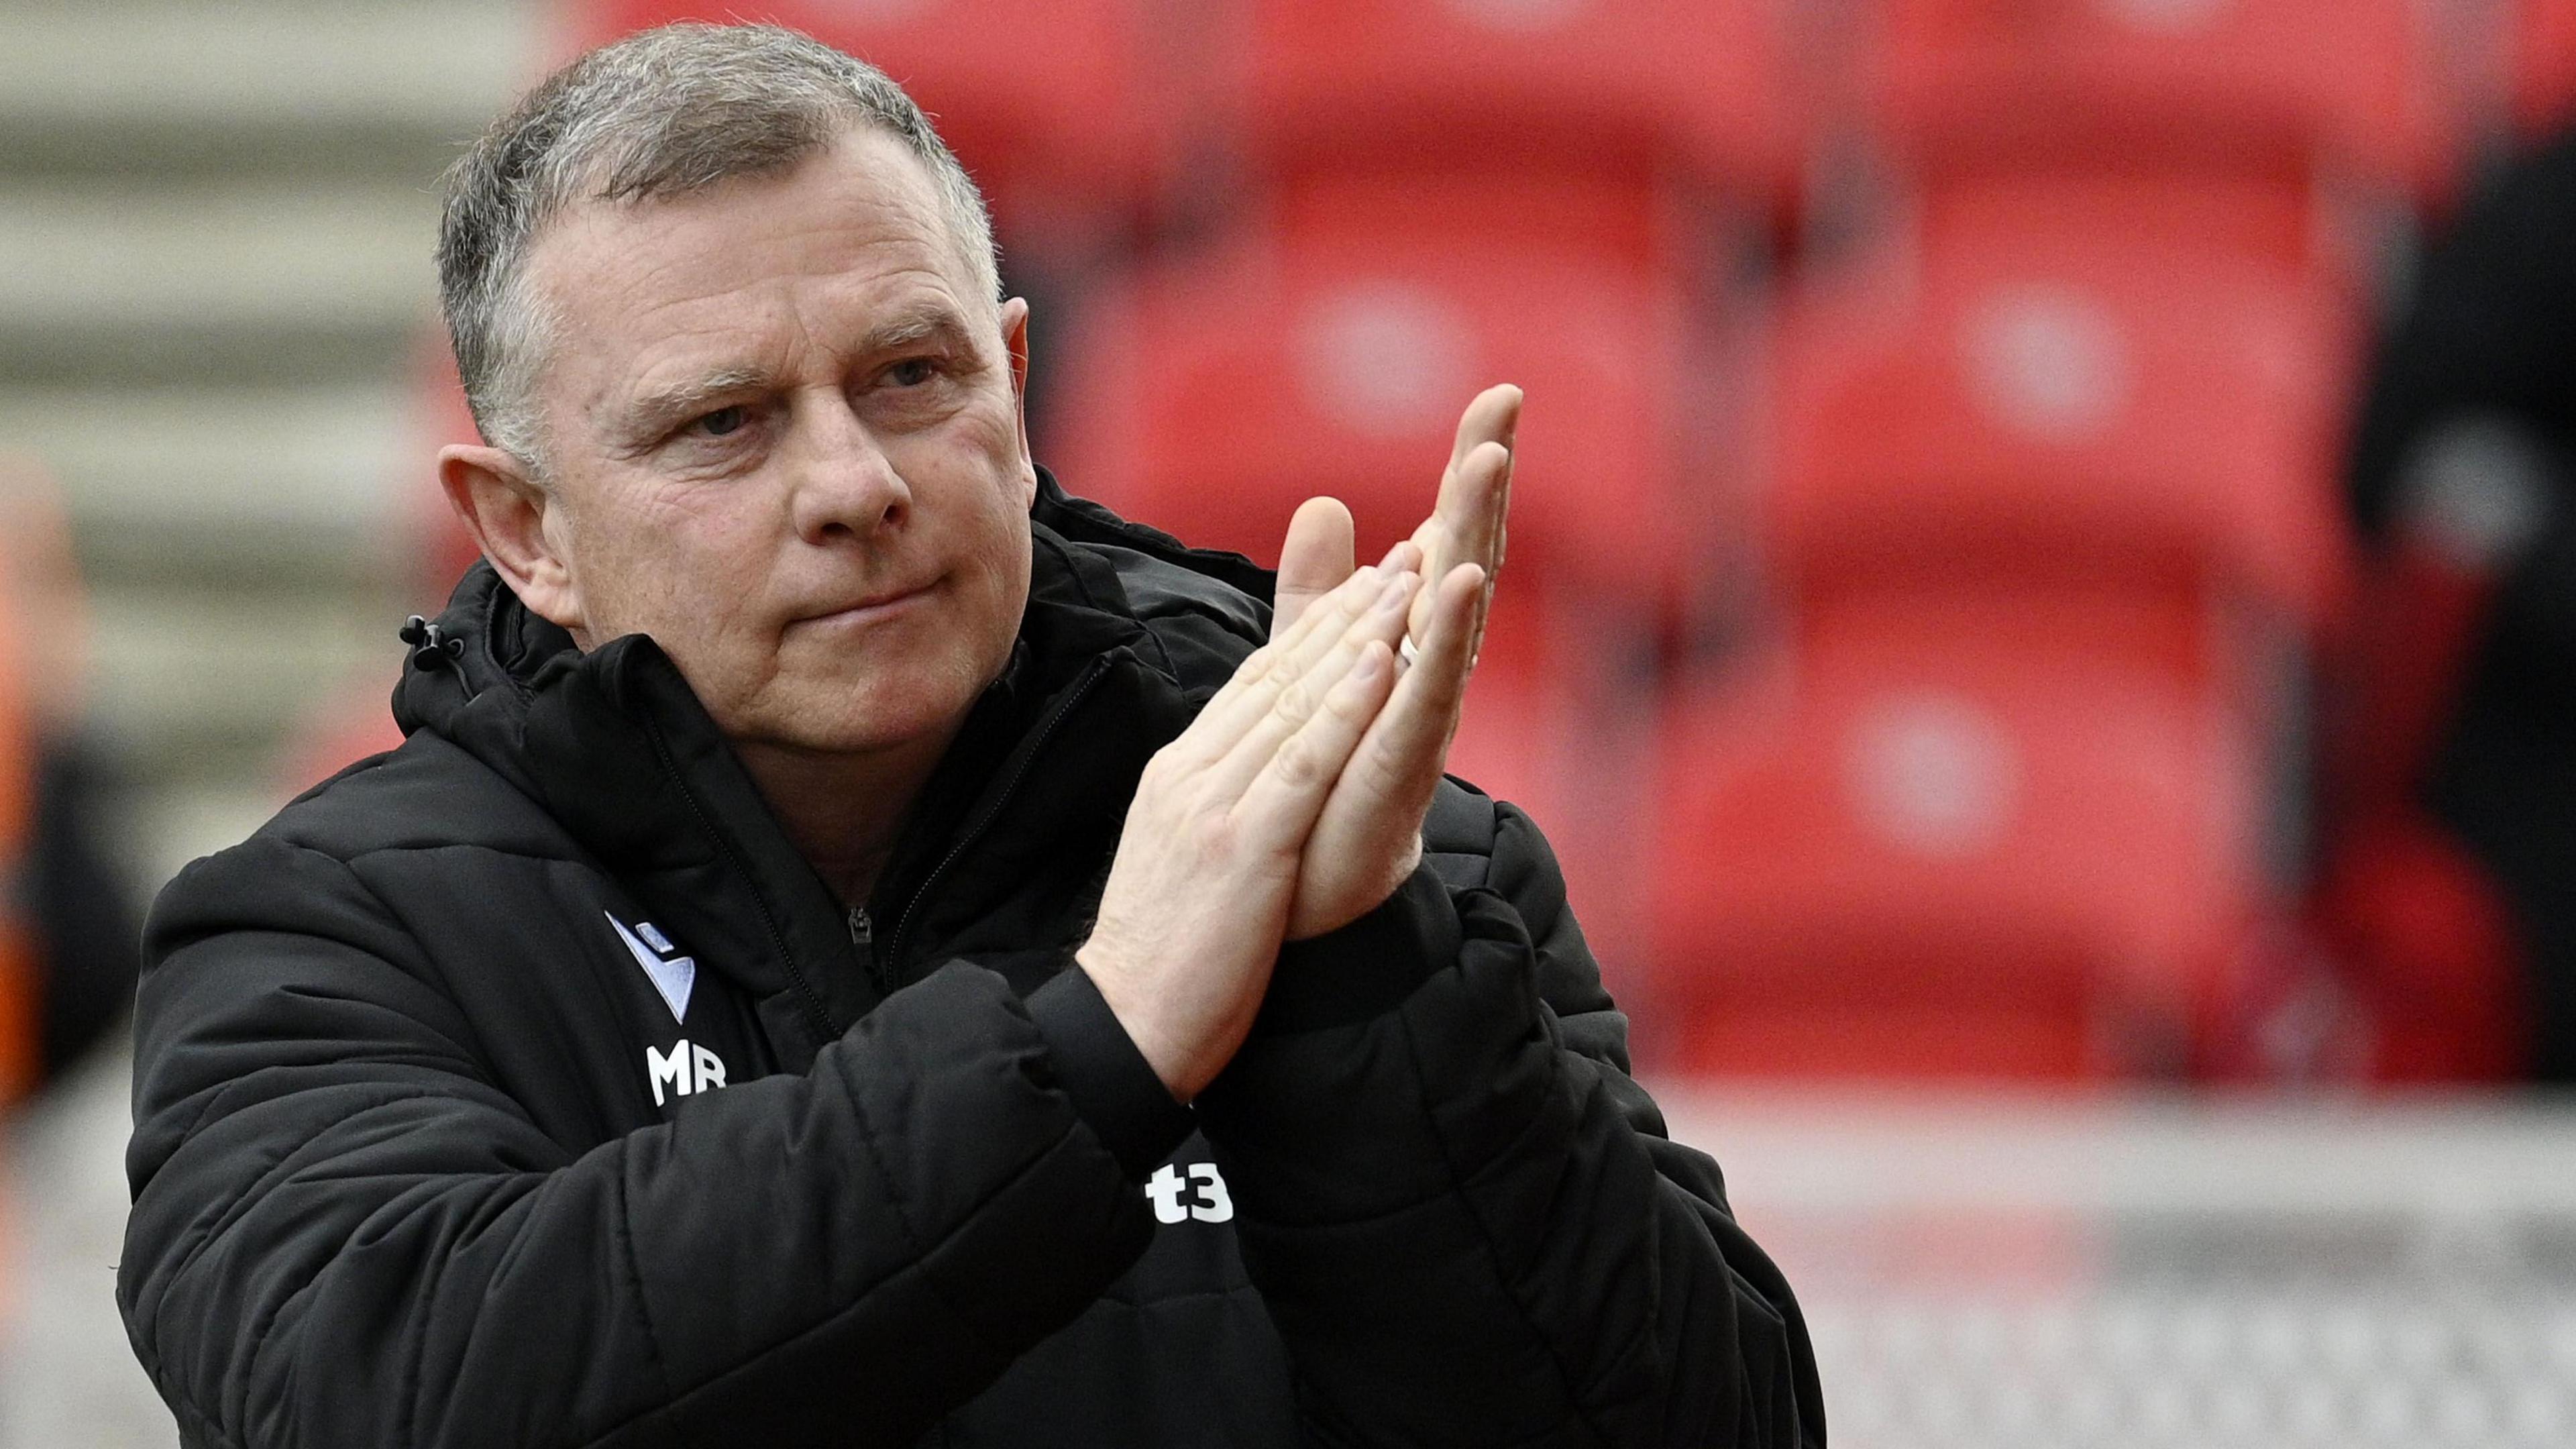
(725, 420)
(912, 372)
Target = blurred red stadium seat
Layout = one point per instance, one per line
(2542, 66)
(2246, 224)
(1942, 843)
(1209, 397)
(2297, 90)
(1648, 127)
(1523, 708)
(1504, 743)
(1061, 109)
(2051, 483)
(1559, 721)
(1629, 87)
(2066, 408)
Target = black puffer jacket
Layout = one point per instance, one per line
(524, 1086)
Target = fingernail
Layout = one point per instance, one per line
(1372, 659)
(1395, 592)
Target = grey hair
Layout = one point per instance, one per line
(662, 113)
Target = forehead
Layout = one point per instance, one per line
(796, 261)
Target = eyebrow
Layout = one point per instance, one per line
(921, 324)
(649, 415)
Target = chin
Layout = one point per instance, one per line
(878, 713)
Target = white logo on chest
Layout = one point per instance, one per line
(672, 974)
(1202, 1195)
(687, 1069)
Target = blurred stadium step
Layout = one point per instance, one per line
(243, 277)
(215, 236)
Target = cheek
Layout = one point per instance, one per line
(973, 497)
(1002, 555)
(683, 576)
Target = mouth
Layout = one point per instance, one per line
(874, 607)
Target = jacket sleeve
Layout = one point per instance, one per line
(1466, 1217)
(344, 1234)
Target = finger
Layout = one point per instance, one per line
(1295, 701)
(1491, 421)
(1492, 559)
(1484, 491)
(1246, 694)
(1323, 619)
(1280, 804)
(1400, 760)
(1491, 416)
(1320, 552)
(1460, 528)
(1447, 656)
(1469, 528)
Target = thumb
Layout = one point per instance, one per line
(1320, 552)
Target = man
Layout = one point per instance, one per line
(67, 938)
(860, 946)
(2448, 804)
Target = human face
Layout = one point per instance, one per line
(786, 441)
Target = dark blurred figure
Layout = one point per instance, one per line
(2450, 754)
(68, 931)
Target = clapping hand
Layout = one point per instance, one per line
(1293, 804)
(1199, 891)
(1369, 837)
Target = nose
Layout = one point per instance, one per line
(844, 486)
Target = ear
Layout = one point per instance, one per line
(509, 517)
(1015, 342)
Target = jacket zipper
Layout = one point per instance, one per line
(805, 992)
(892, 960)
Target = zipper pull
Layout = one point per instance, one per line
(863, 931)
